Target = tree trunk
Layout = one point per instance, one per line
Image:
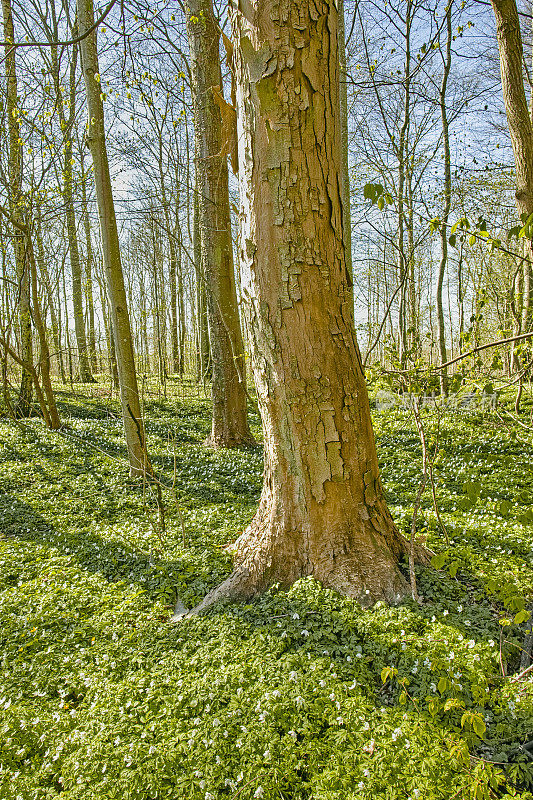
(322, 511)
(67, 124)
(403, 263)
(203, 349)
(45, 279)
(345, 172)
(89, 263)
(52, 420)
(514, 96)
(23, 407)
(129, 393)
(443, 375)
(229, 424)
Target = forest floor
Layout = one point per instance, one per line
(299, 695)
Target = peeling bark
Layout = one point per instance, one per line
(322, 511)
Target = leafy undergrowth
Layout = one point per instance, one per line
(300, 695)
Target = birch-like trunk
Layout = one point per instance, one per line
(229, 423)
(322, 511)
(129, 393)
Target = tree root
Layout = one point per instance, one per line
(237, 587)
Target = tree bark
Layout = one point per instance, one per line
(403, 263)
(443, 377)
(202, 328)
(53, 420)
(120, 321)
(514, 96)
(229, 423)
(24, 404)
(322, 512)
(89, 263)
(67, 125)
(45, 280)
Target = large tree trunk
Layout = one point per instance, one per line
(514, 96)
(229, 424)
(322, 511)
(23, 407)
(129, 393)
(520, 127)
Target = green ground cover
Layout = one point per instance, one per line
(299, 695)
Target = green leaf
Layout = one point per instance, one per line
(478, 724)
(504, 507)
(454, 566)
(522, 616)
(438, 560)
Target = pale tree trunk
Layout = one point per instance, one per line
(120, 321)
(229, 423)
(49, 412)
(67, 126)
(443, 374)
(402, 168)
(23, 407)
(53, 421)
(322, 511)
(181, 304)
(45, 280)
(202, 331)
(173, 266)
(89, 263)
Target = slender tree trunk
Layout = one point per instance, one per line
(402, 152)
(173, 271)
(89, 263)
(203, 348)
(67, 123)
(229, 424)
(23, 407)
(322, 511)
(52, 420)
(181, 306)
(443, 373)
(131, 410)
(45, 280)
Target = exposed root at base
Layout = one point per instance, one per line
(237, 587)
